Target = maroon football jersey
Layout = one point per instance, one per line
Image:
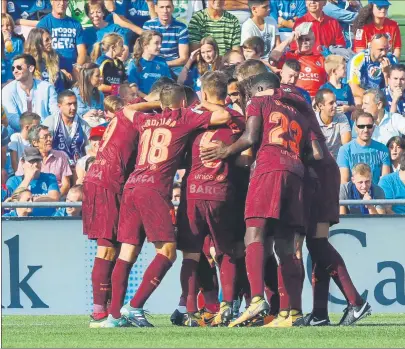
(163, 138)
(209, 180)
(114, 153)
(285, 133)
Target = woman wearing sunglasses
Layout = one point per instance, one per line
(373, 20)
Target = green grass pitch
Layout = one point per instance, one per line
(376, 331)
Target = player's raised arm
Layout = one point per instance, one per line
(220, 115)
(143, 107)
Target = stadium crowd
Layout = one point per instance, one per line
(69, 66)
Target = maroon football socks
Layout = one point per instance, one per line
(101, 281)
(151, 280)
(255, 268)
(119, 279)
(227, 275)
(188, 280)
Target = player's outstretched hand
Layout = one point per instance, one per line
(219, 151)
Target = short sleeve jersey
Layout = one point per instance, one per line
(285, 133)
(118, 144)
(137, 11)
(364, 35)
(163, 138)
(112, 70)
(210, 180)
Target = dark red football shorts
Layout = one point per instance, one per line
(100, 212)
(198, 218)
(145, 212)
(277, 195)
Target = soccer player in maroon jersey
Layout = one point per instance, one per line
(277, 178)
(206, 207)
(102, 192)
(326, 261)
(146, 208)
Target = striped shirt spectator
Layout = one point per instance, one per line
(221, 25)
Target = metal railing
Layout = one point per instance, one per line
(79, 204)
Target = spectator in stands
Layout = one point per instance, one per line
(232, 58)
(372, 20)
(206, 58)
(43, 186)
(370, 68)
(234, 95)
(334, 125)
(335, 67)
(345, 12)
(387, 124)
(6, 74)
(175, 48)
(13, 43)
(327, 30)
(75, 194)
(286, 12)
(100, 27)
(90, 100)
(67, 35)
(396, 146)
(77, 10)
(5, 140)
(312, 75)
(128, 92)
(26, 93)
(395, 91)
(253, 48)
(364, 149)
(184, 10)
(176, 194)
(394, 187)
(261, 25)
(216, 22)
(289, 75)
(106, 55)
(20, 195)
(147, 67)
(19, 141)
(361, 187)
(111, 105)
(39, 46)
(96, 134)
(70, 132)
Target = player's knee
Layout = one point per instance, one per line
(192, 255)
(284, 247)
(167, 249)
(253, 234)
(299, 241)
(107, 253)
(129, 252)
(322, 231)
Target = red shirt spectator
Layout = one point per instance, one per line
(327, 30)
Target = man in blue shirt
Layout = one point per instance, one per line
(394, 187)
(67, 35)
(364, 149)
(43, 186)
(286, 12)
(175, 49)
(395, 91)
(26, 9)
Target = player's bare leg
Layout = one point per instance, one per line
(254, 241)
(101, 280)
(154, 274)
(119, 278)
(324, 256)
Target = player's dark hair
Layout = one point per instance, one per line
(191, 95)
(158, 84)
(28, 59)
(249, 68)
(215, 83)
(252, 3)
(293, 64)
(263, 82)
(229, 71)
(255, 43)
(320, 96)
(396, 67)
(64, 94)
(28, 117)
(172, 96)
(231, 81)
(402, 162)
(176, 185)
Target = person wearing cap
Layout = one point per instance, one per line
(327, 30)
(43, 186)
(372, 20)
(96, 134)
(53, 161)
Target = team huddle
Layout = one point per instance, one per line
(255, 186)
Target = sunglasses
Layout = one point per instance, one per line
(18, 67)
(362, 127)
(233, 94)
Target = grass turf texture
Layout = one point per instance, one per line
(378, 330)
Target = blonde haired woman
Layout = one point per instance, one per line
(20, 195)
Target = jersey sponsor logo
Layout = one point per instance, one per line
(151, 75)
(112, 80)
(142, 179)
(359, 34)
(205, 189)
(24, 15)
(95, 174)
(374, 72)
(209, 177)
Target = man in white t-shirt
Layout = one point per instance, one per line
(262, 25)
(19, 141)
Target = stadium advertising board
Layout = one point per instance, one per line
(46, 267)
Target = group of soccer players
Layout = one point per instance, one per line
(270, 166)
